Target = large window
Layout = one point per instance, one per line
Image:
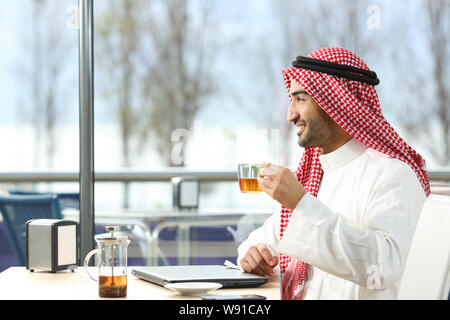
(39, 86)
(39, 100)
(195, 86)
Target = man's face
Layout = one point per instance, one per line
(315, 126)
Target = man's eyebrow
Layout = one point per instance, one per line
(296, 93)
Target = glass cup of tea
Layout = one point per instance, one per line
(248, 175)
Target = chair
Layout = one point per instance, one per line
(18, 209)
(427, 269)
(67, 200)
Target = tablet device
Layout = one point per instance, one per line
(228, 277)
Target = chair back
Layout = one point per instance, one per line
(18, 209)
(427, 269)
(67, 200)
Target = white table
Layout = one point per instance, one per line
(19, 283)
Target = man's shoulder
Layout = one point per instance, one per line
(386, 167)
(384, 161)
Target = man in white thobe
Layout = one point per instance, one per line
(350, 228)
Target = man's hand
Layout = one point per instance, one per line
(281, 184)
(259, 260)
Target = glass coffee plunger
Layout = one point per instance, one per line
(112, 263)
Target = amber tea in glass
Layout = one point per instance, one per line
(112, 286)
(248, 174)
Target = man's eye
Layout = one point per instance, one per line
(300, 99)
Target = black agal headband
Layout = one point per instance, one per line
(337, 69)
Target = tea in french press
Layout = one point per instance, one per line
(112, 263)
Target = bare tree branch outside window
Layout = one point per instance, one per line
(420, 90)
(42, 75)
(178, 61)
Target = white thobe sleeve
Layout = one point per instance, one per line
(371, 255)
(268, 234)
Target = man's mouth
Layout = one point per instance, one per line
(301, 128)
(301, 125)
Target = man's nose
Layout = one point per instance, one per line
(292, 114)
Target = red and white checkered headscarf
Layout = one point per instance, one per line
(356, 108)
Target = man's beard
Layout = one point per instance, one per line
(312, 134)
(317, 131)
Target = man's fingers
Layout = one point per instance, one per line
(264, 165)
(247, 268)
(269, 171)
(245, 265)
(266, 254)
(265, 182)
(275, 259)
(260, 260)
(249, 264)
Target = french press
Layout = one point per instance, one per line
(112, 263)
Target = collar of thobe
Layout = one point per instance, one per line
(341, 156)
